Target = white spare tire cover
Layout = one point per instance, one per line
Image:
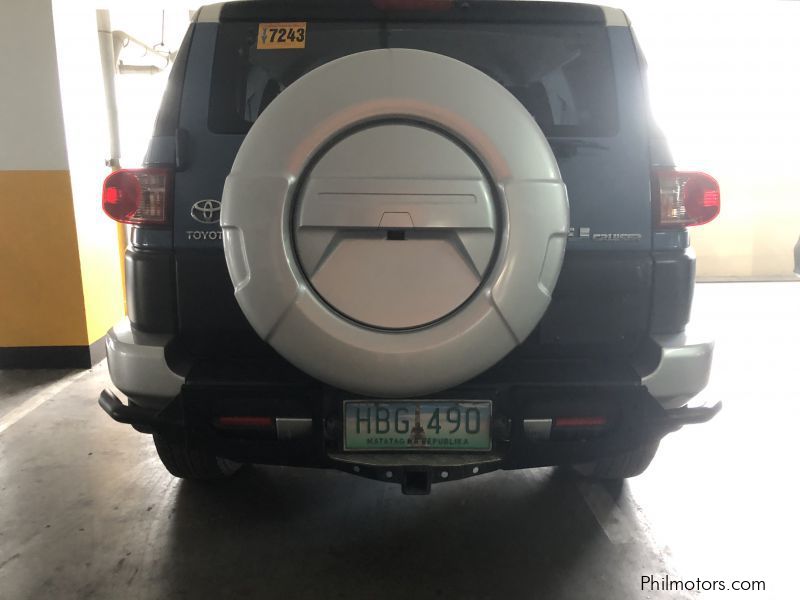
(394, 223)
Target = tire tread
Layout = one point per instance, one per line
(622, 466)
(186, 461)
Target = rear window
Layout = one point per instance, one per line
(561, 73)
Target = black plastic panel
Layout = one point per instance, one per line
(673, 288)
(205, 293)
(150, 289)
(601, 306)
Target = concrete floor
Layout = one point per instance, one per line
(86, 510)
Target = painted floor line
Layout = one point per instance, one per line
(617, 524)
(31, 404)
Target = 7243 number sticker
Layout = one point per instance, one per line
(279, 36)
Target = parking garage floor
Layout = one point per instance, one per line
(86, 510)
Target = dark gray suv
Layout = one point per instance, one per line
(414, 240)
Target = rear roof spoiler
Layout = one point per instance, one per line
(496, 11)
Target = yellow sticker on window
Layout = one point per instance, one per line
(280, 36)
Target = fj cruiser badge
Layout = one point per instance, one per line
(616, 237)
(206, 211)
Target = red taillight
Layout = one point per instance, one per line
(579, 421)
(137, 196)
(244, 422)
(684, 198)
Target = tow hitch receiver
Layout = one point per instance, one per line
(416, 483)
(416, 472)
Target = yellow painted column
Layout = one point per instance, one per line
(60, 287)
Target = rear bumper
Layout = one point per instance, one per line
(139, 367)
(682, 370)
(304, 417)
(526, 432)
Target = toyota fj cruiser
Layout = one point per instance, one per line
(352, 246)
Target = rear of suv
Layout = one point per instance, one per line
(416, 241)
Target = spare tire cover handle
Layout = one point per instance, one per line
(364, 202)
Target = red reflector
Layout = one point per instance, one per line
(683, 198)
(711, 198)
(579, 421)
(245, 421)
(137, 196)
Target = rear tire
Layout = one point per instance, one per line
(628, 464)
(187, 461)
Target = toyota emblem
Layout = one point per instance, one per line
(206, 211)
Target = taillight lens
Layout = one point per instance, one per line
(245, 422)
(684, 198)
(138, 196)
(579, 421)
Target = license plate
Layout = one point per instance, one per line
(430, 425)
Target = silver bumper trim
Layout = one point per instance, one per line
(537, 429)
(288, 428)
(682, 371)
(138, 367)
